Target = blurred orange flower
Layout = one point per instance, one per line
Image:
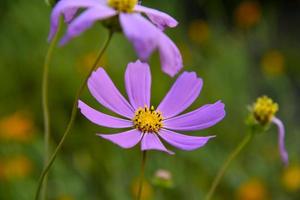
(247, 14)
(291, 178)
(186, 53)
(273, 63)
(65, 197)
(253, 189)
(18, 126)
(1, 171)
(17, 167)
(147, 190)
(199, 31)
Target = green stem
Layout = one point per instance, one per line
(45, 105)
(226, 164)
(140, 190)
(72, 118)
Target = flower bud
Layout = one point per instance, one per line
(163, 178)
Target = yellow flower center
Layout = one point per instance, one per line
(148, 119)
(264, 109)
(123, 5)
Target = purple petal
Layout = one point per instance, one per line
(125, 140)
(160, 19)
(102, 119)
(151, 141)
(199, 119)
(86, 20)
(170, 57)
(106, 93)
(183, 142)
(67, 7)
(281, 134)
(70, 14)
(183, 93)
(142, 34)
(138, 84)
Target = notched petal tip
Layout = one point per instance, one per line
(159, 18)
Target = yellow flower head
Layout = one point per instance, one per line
(291, 178)
(123, 5)
(264, 109)
(148, 120)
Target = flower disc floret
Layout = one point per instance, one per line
(122, 5)
(264, 109)
(148, 120)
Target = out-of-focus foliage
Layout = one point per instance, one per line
(242, 50)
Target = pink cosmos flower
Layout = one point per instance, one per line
(148, 125)
(146, 36)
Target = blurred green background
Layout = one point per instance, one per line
(242, 49)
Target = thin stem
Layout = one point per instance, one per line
(45, 105)
(226, 164)
(73, 115)
(144, 156)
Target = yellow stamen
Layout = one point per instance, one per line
(123, 5)
(148, 119)
(264, 109)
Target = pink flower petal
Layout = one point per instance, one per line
(138, 84)
(67, 7)
(106, 93)
(204, 117)
(160, 19)
(143, 35)
(170, 56)
(102, 119)
(182, 94)
(151, 141)
(125, 140)
(183, 142)
(281, 133)
(86, 20)
(70, 14)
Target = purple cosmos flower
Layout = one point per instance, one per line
(148, 125)
(145, 36)
(264, 110)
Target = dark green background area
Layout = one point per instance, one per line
(229, 61)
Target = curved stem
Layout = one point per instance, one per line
(45, 105)
(73, 115)
(226, 164)
(144, 156)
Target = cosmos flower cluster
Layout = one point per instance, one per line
(149, 125)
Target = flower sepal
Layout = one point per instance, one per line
(112, 24)
(255, 126)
